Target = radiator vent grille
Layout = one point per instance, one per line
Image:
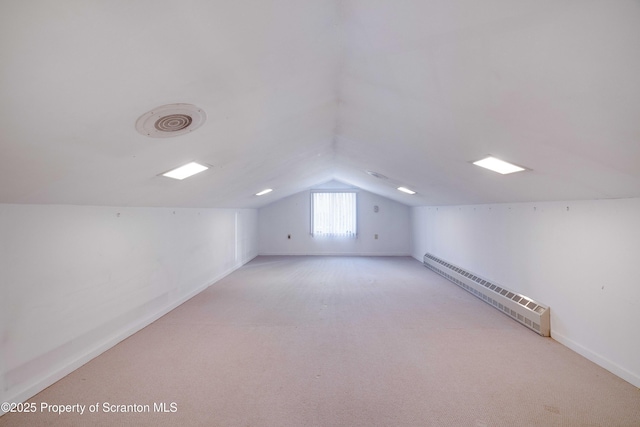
(528, 312)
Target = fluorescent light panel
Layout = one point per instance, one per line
(185, 171)
(265, 191)
(406, 190)
(498, 165)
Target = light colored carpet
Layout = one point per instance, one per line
(340, 341)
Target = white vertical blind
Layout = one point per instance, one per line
(333, 214)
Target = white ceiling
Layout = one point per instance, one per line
(302, 92)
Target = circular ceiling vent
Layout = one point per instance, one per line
(171, 120)
(377, 175)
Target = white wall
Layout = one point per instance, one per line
(578, 257)
(291, 216)
(75, 280)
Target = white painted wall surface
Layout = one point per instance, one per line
(75, 280)
(291, 216)
(578, 257)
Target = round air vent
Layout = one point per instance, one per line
(171, 120)
(377, 175)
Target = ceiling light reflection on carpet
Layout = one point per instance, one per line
(497, 165)
(185, 171)
(406, 190)
(263, 192)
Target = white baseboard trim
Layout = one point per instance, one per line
(371, 254)
(614, 368)
(59, 372)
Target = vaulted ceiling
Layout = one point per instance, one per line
(302, 92)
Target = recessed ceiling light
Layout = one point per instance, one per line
(498, 165)
(185, 171)
(406, 190)
(263, 192)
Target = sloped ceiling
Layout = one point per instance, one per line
(303, 92)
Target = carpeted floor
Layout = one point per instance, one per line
(338, 341)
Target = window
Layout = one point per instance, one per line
(333, 214)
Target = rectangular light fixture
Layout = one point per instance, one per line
(406, 190)
(498, 165)
(263, 192)
(185, 171)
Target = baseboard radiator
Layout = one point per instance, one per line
(526, 311)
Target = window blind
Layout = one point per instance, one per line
(333, 214)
